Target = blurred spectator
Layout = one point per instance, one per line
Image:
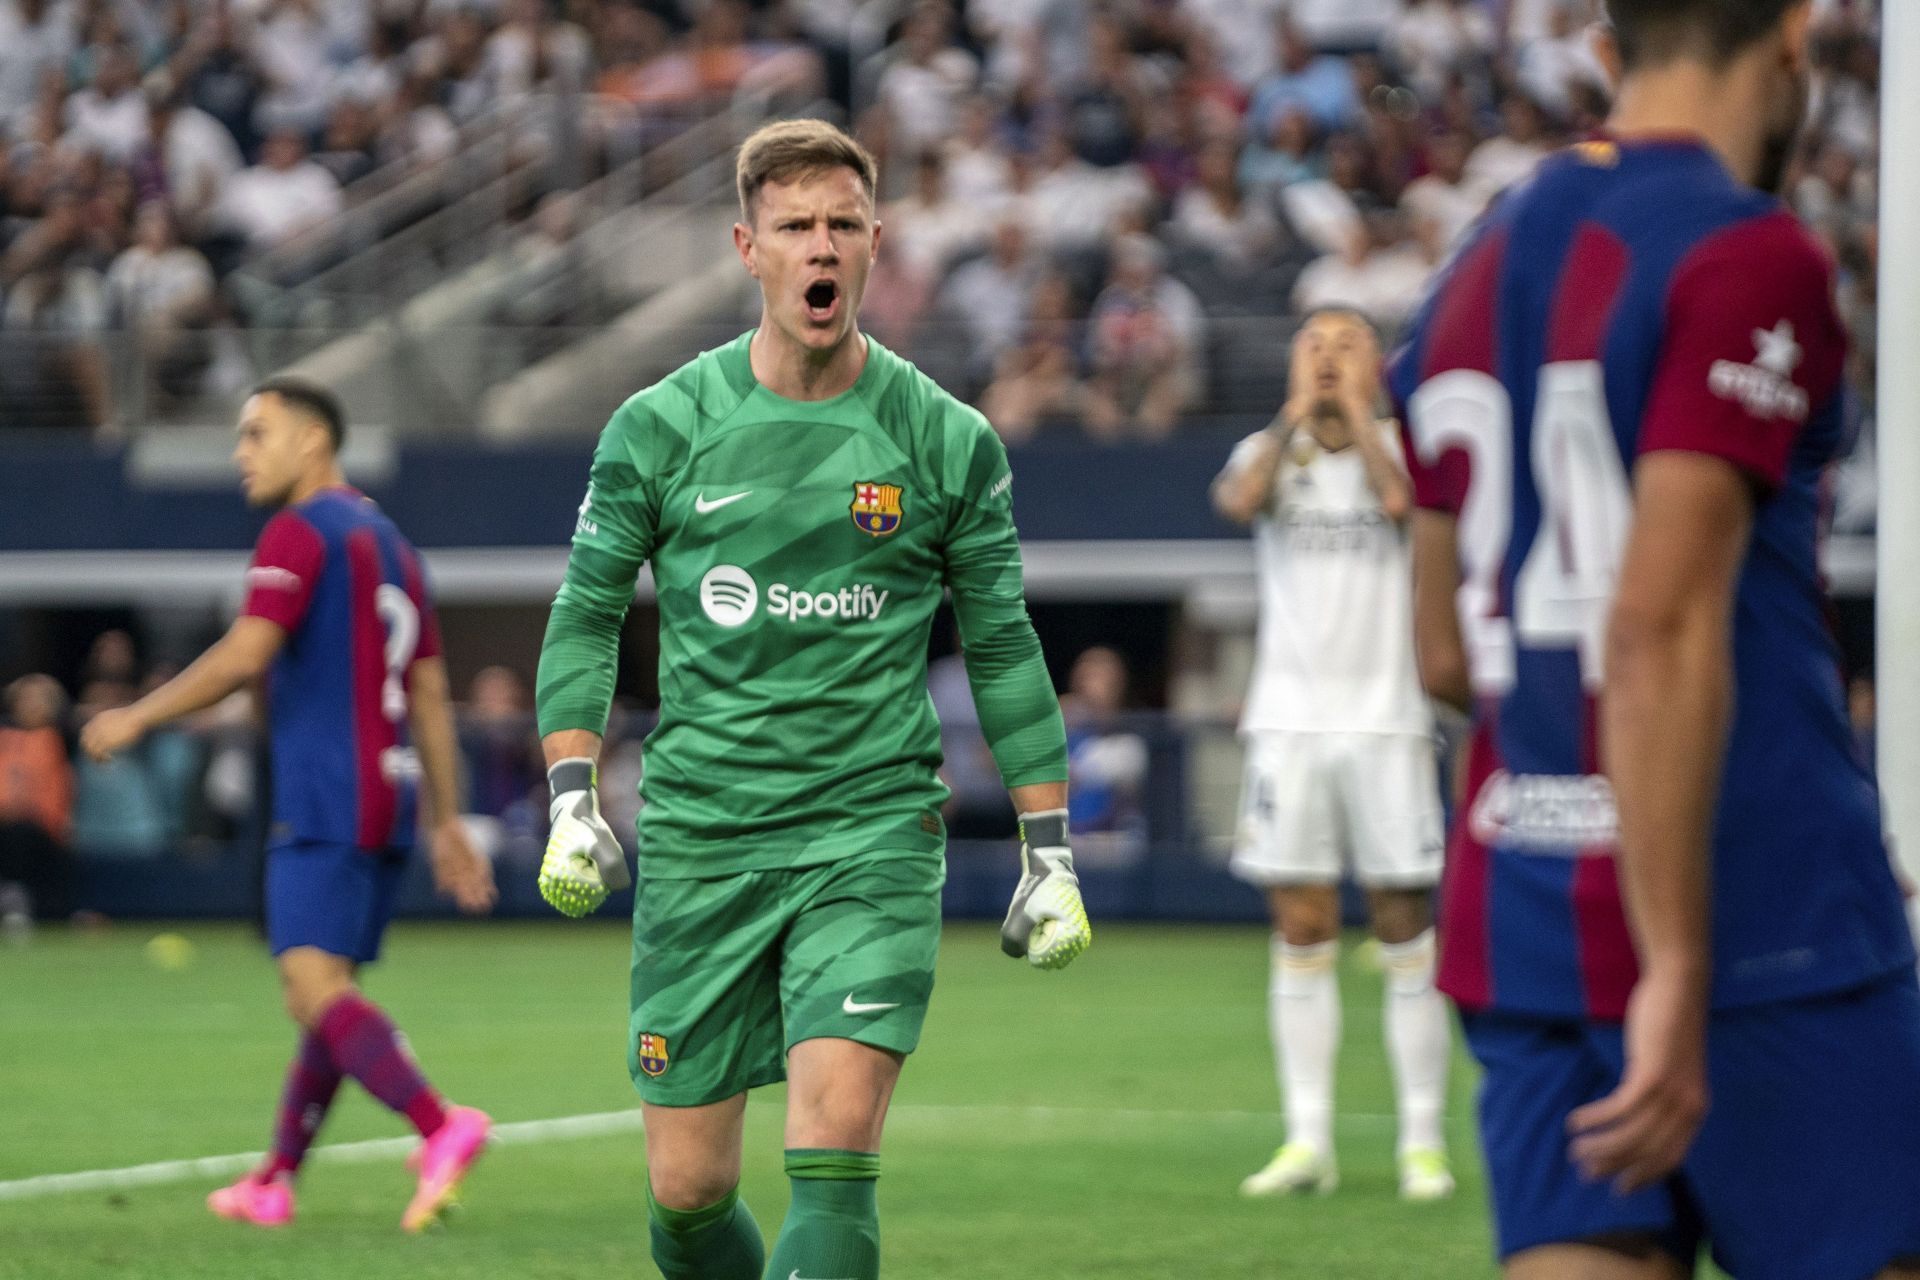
(109, 116)
(163, 291)
(1106, 766)
(921, 80)
(1319, 84)
(1073, 203)
(1285, 154)
(498, 743)
(1323, 211)
(283, 195)
(1239, 33)
(1345, 26)
(978, 171)
(455, 56)
(186, 159)
(347, 148)
(220, 74)
(54, 373)
(135, 805)
(1041, 377)
(1435, 39)
(36, 806)
(294, 47)
(1836, 196)
(1441, 203)
(1511, 155)
(988, 296)
(535, 47)
(374, 76)
(925, 231)
(112, 669)
(1216, 215)
(1554, 69)
(417, 130)
(1147, 333)
(1103, 111)
(1170, 141)
(1383, 274)
(1218, 98)
(36, 39)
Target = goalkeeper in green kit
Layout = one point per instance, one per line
(804, 497)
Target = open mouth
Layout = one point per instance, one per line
(822, 299)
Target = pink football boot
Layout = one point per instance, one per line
(442, 1161)
(265, 1202)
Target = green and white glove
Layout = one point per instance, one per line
(584, 861)
(1047, 922)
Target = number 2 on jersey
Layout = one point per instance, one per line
(402, 620)
(1565, 583)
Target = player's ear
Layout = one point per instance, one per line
(743, 244)
(1796, 27)
(1605, 43)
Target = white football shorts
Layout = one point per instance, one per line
(1313, 804)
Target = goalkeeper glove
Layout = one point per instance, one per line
(1047, 922)
(584, 861)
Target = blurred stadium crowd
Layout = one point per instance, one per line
(1093, 208)
(195, 789)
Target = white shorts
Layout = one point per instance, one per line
(1316, 803)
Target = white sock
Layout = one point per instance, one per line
(1419, 1041)
(1304, 1004)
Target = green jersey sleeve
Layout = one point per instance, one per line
(613, 537)
(1019, 714)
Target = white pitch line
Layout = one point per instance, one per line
(561, 1128)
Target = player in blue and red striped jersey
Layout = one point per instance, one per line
(1669, 918)
(338, 617)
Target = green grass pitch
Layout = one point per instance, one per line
(1086, 1124)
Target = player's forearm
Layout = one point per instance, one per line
(1038, 797)
(1664, 720)
(1242, 491)
(570, 744)
(237, 658)
(1438, 647)
(433, 740)
(1384, 475)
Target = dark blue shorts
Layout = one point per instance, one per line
(335, 897)
(1808, 1166)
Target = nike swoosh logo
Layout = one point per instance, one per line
(795, 1275)
(701, 504)
(850, 1005)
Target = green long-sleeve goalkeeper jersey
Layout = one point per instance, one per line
(799, 549)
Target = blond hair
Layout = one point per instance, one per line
(789, 149)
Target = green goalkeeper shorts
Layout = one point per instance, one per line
(730, 973)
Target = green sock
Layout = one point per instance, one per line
(832, 1231)
(719, 1242)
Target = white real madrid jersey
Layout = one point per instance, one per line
(1335, 646)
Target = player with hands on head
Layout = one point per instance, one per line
(1340, 757)
(804, 498)
(1669, 922)
(337, 620)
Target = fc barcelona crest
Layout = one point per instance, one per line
(653, 1053)
(876, 507)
